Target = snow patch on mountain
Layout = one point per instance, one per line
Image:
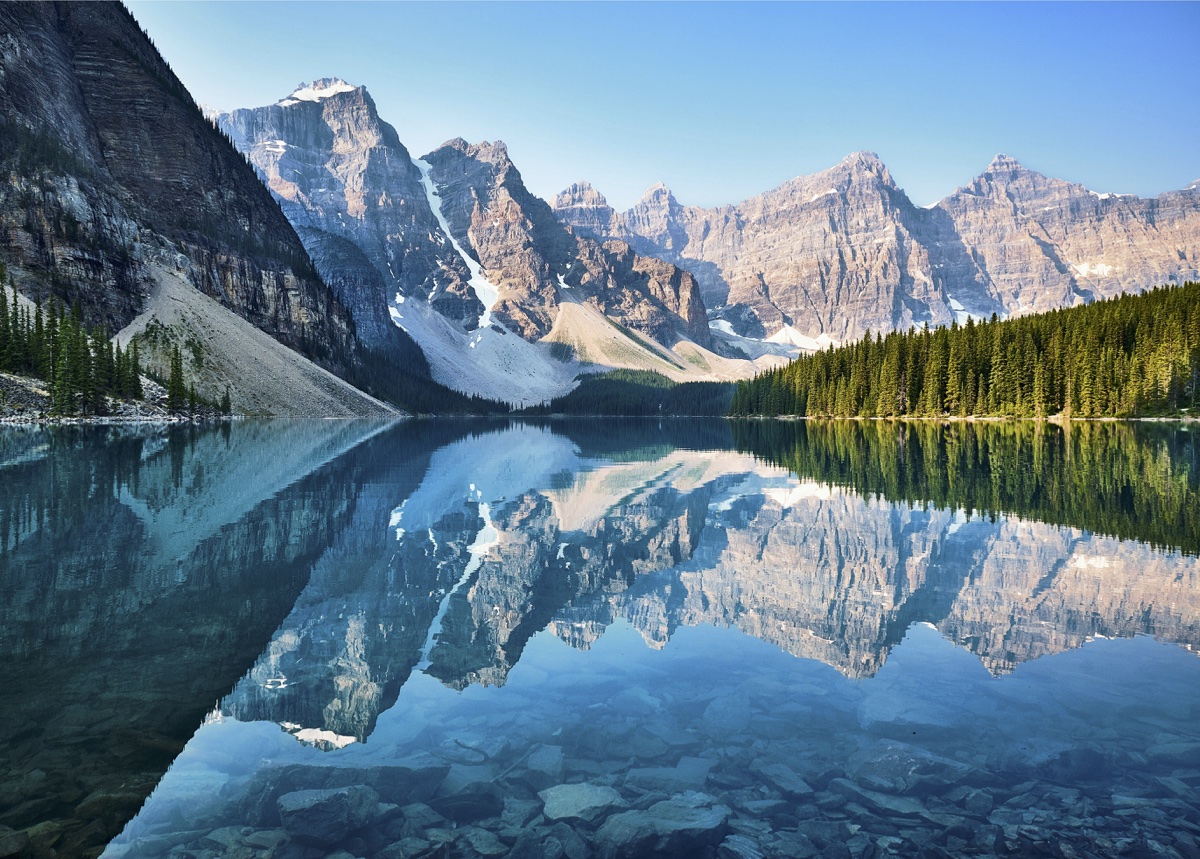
(317, 90)
(485, 291)
(1093, 269)
(789, 335)
(488, 362)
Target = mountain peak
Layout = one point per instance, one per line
(860, 166)
(581, 193)
(317, 90)
(863, 158)
(494, 152)
(1005, 164)
(657, 192)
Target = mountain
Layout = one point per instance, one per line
(453, 249)
(824, 258)
(120, 196)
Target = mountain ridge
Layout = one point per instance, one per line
(844, 250)
(456, 252)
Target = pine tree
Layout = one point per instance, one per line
(134, 385)
(176, 391)
(5, 334)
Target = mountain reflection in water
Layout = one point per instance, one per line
(420, 567)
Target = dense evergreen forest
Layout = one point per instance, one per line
(639, 393)
(1127, 356)
(81, 366)
(1131, 481)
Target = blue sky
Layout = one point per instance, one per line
(722, 101)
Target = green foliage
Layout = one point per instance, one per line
(82, 366)
(1130, 481)
(1125, 357)
(639, 393)
(176, 390)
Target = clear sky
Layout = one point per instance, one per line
(722, 101)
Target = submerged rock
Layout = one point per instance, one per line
(580, 801)
(680, 826)
(325, 817)
(784, 778)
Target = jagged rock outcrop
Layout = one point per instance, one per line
(829, 256)
(453, 248)
(112, 175)
(522, 248)
(348, 184)
(1041, 243)
(585, 208)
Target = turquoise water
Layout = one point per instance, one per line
(596, 639)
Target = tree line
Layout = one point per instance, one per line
(81, 365)
(1127, 356)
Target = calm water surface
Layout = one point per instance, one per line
(307, 639)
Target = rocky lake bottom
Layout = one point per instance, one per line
(719, 745)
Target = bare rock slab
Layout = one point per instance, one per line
(325, 817)
(681, 826)
(579, 801)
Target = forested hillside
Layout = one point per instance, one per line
(80, 365)
(1128, 356)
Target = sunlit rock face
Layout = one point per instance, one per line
(844, 250)
(351, 189)
(450, 250)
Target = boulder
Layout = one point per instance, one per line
(684, 825)
(584, 801)
(324, 817)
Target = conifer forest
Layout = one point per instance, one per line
(1134, 355)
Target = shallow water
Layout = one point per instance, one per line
(608, 639)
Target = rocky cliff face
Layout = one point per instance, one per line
(1042, 243)
(829, 256)
(111, 174)
(453, 248)
(350, 187)
(534, 258)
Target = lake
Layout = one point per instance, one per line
(301, 639)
